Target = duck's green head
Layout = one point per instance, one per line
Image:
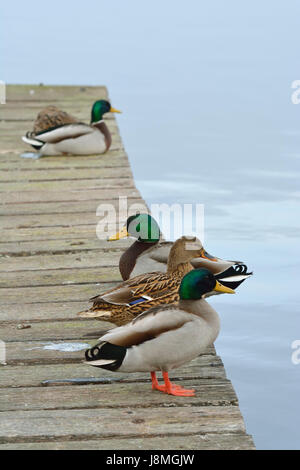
(100, 108)
(199, 282)
(143, 227)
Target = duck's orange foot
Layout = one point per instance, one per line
(171, 388)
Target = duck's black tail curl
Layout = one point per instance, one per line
(106, 355)
(234, 276)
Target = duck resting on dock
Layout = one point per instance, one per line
(122, 303)
(58, 133)
(165, 337)
(150, 253)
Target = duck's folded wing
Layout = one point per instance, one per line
(68, 131)
(119, 296)
(148, 325)
(143, 288)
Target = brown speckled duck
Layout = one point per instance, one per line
(58, 133)
(124, 302)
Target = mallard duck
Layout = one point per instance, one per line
(132, 297)
(57, 133)
(149, 253)
(165, 337)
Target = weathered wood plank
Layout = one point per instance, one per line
(53, 331)
(68, 185)
(67, 293)
(69, 195)
(59, 207)
(48, 220)
(87, 424)
(39, 312)
(8, 162)
(137, 395)
(63, 174)
(51, 233)
(56, 246)
(79, 259)
(211, 441)
(61, 277)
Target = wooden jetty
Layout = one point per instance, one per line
(51, 263)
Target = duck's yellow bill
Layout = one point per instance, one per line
(122, 234)
(220, 288)
(206, 255)
(114, 110)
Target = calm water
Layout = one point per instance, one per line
(208, 118)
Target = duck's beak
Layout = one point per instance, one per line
(122, 234)
(206, 255)
(220, 288)
(114, 110)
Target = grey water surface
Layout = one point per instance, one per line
(205, 89)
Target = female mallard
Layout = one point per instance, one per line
(149, 253)
(57, 133)
(165, 337)
(124, 302)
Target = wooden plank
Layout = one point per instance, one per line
(211, 441)
(48, 220)
(99, 194)
(63, 174)
(86, 424)
(77, 373)
(56, 246)
(77, 329)
(134, 395)
(39, 312)
(68, 185)
(59, 207)
(80, 259)
(67, 293)
(51, 233)
(57, 277)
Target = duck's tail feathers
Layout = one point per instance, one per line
(234, 276)
(93, 313)
(106, 355)
(35, 143)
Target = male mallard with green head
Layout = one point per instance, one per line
(165, 337)
(58, 133)
(150, 253)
